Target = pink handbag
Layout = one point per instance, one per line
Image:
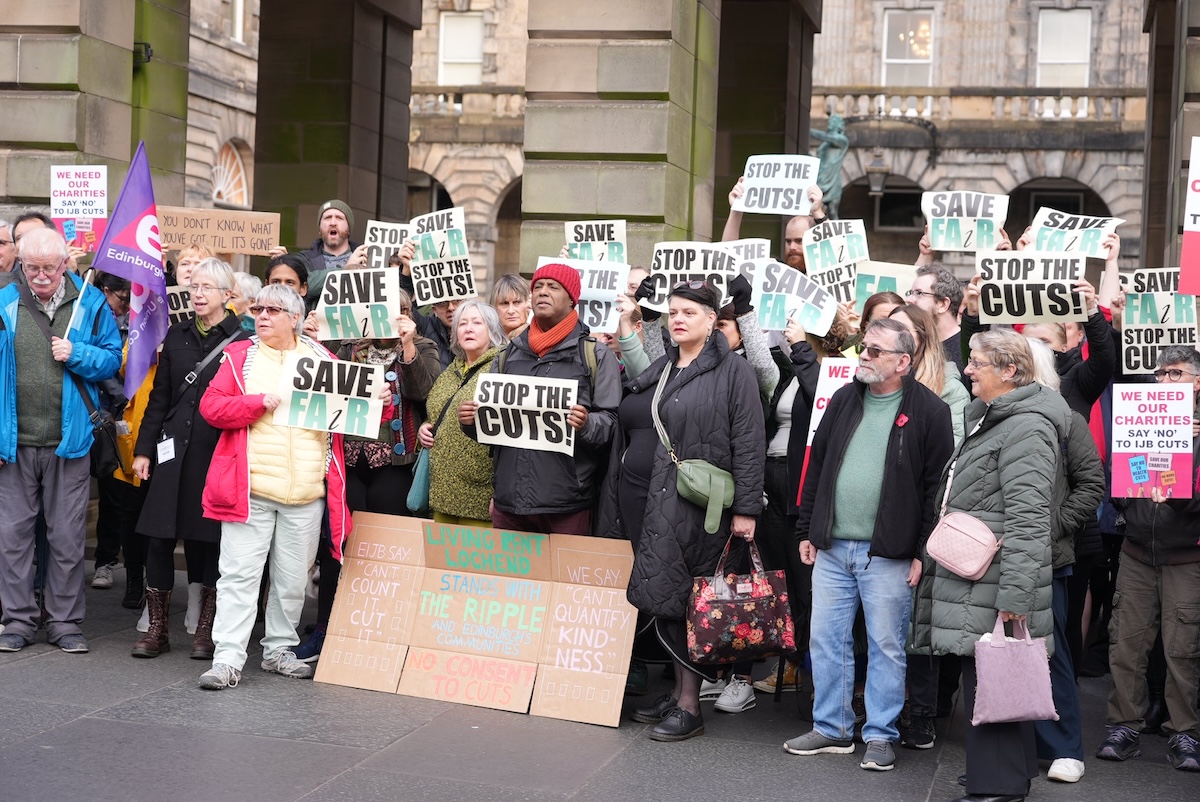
(1013, 678)
(960, 542)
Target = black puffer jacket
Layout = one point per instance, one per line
(712, 411)
(530, 482)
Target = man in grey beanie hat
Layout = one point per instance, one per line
(333, 248)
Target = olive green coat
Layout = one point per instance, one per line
(460, 469)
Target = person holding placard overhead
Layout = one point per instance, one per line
(710, 408)
(268, 485)
(1003, 474)
(173, 451)
(793, 233)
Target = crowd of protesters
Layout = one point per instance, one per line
(943, 414)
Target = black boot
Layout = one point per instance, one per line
(1156, 714)
(135, 587)
(657, 710)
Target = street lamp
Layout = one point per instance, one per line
(877, 173)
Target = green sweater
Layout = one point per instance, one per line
(860, 478)
(40, 376)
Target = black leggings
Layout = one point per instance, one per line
(202, 559)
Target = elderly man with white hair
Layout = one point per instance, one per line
(57, 340)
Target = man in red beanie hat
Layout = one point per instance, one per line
(545, 491)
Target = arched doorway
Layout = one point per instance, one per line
(508, 231)
(426, 194)
(893, 220)
(1063, 194)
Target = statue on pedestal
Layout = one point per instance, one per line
(831, 152)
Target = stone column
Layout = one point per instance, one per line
(160, 94)
(333, 92)
(67, 69)
(620, 120)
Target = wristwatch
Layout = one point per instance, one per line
(818, 220)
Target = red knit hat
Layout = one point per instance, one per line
(568, 277)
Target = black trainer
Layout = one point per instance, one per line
(919, 734)
(1181, 752)
(678, 725)
(657, 710)
(1122, 743)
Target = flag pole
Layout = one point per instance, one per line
(88, 278)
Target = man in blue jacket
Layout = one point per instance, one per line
(46, 435)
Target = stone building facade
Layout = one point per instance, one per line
(1044, 100)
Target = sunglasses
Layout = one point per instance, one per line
(874, 351)
(690, 285)
(271, 311)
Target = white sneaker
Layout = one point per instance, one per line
(1065, 770)
(711, 691)
(737, 697)
(285, 662)
(103, 577)
(221, 675)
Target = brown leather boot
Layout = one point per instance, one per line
(155, 641)
(203, 647)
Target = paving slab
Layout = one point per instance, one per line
(365, 785)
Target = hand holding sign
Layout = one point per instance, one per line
(964, 221)
(777, 184)
(1030, 287)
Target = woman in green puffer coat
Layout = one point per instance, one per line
(1004, 475)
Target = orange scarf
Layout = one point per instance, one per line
(542, 341)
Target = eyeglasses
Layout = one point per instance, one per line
(874, 351)
(205, 288)
(406, 310)
(691, 285)
(123, 297)
(919, 293)
(271, 311)
(975, 364)
(1175, 373)
(45, 270)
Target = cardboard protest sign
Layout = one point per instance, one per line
(179, 304)
(219, 230)
(964, 221)
(778, 184)
(330, 395)
(872, 277)
(1072, 233)
(384, 240)
(675, 262)
(483, 616)
(442, 220)
(359, 304)
(600, 283)
(1152, 440)
(441, 267)
(1189, 259)
(781, 292)
(1030, 287)
(371, 625)
(1155, 316)
(831, 250)
(596, 240)
(525, 412)
(79, 203)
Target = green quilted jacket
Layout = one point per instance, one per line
(1004, 475)
(460, 470)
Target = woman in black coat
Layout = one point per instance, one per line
(710, 410)
(173, 451)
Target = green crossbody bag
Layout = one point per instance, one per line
(698, 481)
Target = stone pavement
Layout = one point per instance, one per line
(105, 726)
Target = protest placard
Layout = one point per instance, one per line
(79, 203)
(384, 240)
(442, 220)
(330, 395)
(596, 240)
(781, 292)
(831, 251)
(675, 262)
(371, 624)
(778, 184)
(1152, 440)
(871, 277)
(179, 304)
(525, 412)
(219, 230)
(1072, 233)
(749, 249)
(441, 267)
(964, 221)
(836, 373)
(599, 285)
(359, 304)
(1155, 316)
(1029, 287)
(1189, 259)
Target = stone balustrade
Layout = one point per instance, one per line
(966, 104)
(468, 101)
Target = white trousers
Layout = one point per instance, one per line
(288, 535)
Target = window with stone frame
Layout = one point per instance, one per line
(460, 49)
(230, 183)
(908, 47)
(1064, 47)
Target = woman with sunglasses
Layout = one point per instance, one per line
(268, 485)
(173, 450)
(710, 409)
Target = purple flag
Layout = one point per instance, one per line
(131, 249)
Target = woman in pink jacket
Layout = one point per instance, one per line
(268, 485)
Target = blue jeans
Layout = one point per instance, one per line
(1062, 738)
(843, 576)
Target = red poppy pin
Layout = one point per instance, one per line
(903, 419)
